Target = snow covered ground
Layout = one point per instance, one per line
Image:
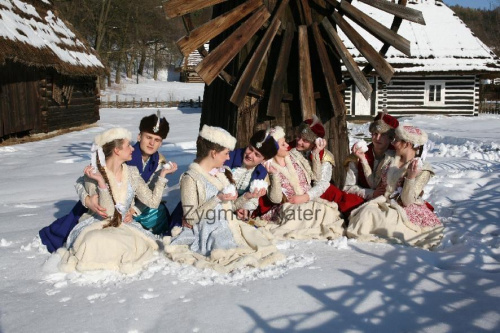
(323, 286)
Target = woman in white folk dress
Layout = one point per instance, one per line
(109, 243)
(400, 215)
(212, 236)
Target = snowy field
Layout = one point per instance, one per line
(323, 286)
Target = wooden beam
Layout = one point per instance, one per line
(174, 8)
(209, 30)
(258, 56)
(377, 29)
(381, 66)
(359, 78)
(218, 59)
(306, 89)
(277, 87)
(307, 12)
(331, 81)
(398, 10)
(228, 78)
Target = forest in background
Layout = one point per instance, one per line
(485, 24)
(133, 36)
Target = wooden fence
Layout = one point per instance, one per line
(108, 102)
(489, 107)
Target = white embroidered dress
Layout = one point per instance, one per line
(217, 239)
(125, 248)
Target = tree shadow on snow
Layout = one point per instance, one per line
(406, 292)
(80, 150)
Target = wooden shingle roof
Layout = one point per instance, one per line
(32, 33)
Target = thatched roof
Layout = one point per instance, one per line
(444, 45)
(32, 33)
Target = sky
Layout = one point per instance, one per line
(479, 4)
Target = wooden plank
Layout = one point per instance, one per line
(255, 62)
(359, 78)
(381, 66)
(329, 74)
(174, 8)
(377, 29)
(307, 12)
(306, 89)
(400, 11)
(210, 67)
(199, 36)
(277, 87)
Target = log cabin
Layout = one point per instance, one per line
(48, 71)
(442, 75)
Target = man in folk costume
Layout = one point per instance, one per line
(365, 167)
(152, 130)
(310, 142)
(250, 176)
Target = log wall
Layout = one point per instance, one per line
(27, 105)
(407, 95)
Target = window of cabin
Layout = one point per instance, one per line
(434, 93)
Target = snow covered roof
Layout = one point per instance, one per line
(444, 44)
(32, 33)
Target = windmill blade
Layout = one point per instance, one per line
(306, 9)
(330, 79)
(398, 10)
(359, 78)
(174, 8)
(276, 93)
(209, 30)
(381, 66)
(255, 62)
(376, 29)
(210, 67)
(306, 89)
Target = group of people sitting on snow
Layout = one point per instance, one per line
(236, 203)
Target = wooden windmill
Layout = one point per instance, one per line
(279, 62)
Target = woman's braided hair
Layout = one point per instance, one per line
(108, 148)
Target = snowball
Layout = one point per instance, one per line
(362, 145)
(258, 184)
(168, 165)
(229, 189)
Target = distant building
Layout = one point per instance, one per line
(443, 74)
(47, 71)
(188, 64)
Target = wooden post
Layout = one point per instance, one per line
(117, 105)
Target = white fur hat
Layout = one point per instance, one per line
(218, 135)
(412, 134)
(277, 132)
(112, 134)
(103, 138)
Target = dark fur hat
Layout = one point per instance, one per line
(150, 124)
(264, 143)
